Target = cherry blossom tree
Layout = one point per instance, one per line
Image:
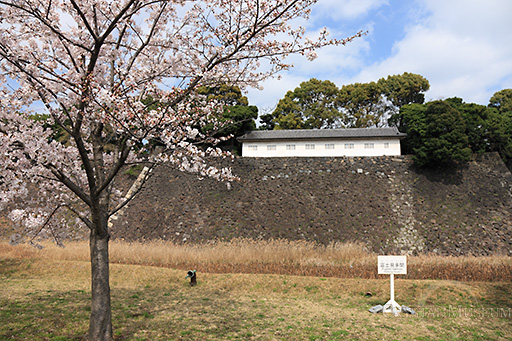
(113, 75)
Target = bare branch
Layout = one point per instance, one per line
(80, 216)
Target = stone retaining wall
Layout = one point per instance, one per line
(384, 202)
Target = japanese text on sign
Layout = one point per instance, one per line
(392, 265)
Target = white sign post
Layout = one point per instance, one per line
(392, 265)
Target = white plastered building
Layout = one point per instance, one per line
(353, 142)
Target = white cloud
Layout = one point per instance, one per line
(344, 9)
(463, 50)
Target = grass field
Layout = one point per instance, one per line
(45, 295)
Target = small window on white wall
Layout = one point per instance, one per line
(329, 146)
(252, 147)
(271, 147)
(290, 147)
(349, 146)
(368, 146)
(310, 146)
(386, 144)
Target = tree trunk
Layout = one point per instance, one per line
(100, 324)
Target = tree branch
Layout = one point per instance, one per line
(134, 190)
(84, 20)
(124, 152)
(145, 43)
(69, 184)
(37, 15)
(86, 221)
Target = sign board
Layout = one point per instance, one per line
(392, 265)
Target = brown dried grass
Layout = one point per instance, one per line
(350, 260)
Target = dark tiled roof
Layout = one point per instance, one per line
(351, 133)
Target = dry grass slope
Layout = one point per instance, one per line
(275, 257)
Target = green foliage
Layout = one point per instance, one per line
(364, 105)
(501, 124)
(377, 104)
(447, 131)
(414, 123)
(477, 123)
(502, 100)
(267, 122)
(230, 95)
(312, 105)
(404, 89)
(292, 118)
(436, 133)
(319, 104)
(242, 118)
(489, 129)
(288, 114)
(39, 117)
(238, 115)
(401, 90)
(500, 136)
(134, 170)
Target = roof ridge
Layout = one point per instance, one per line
(322, 133)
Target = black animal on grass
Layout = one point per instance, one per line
(192, 275)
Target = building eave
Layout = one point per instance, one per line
(322, 134)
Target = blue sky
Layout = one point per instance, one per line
(464, 48)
